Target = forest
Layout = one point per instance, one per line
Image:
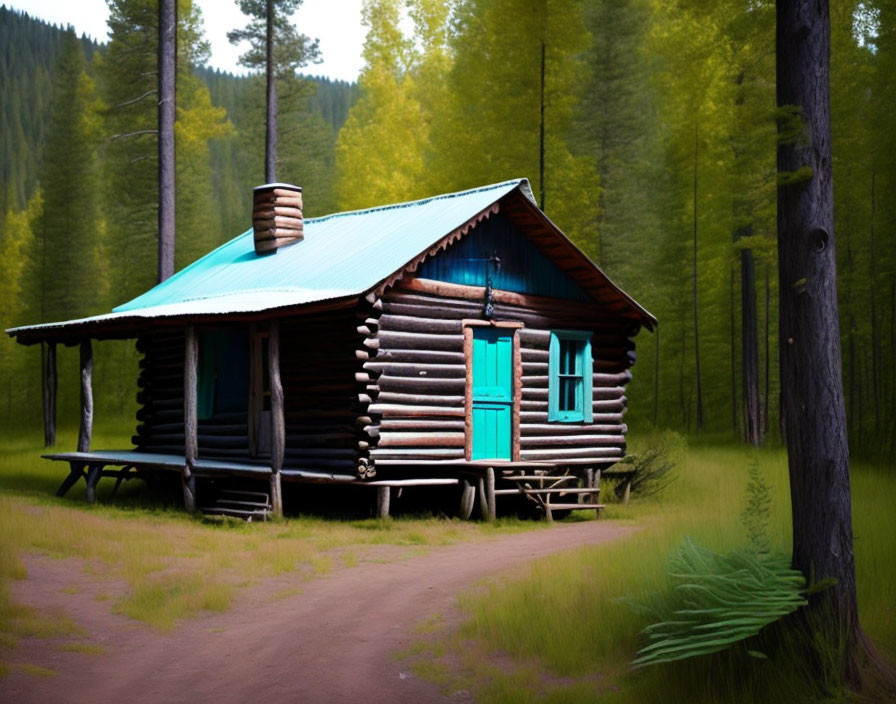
(647, 128)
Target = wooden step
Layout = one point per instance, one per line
(546, 490)
(221, 503)
(239, 503)
(540, 478)
(236, 513)
(573, 507)
(233, 493)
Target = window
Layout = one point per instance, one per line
(569, 368)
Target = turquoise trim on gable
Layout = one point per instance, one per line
(523, 269)
(583, 391)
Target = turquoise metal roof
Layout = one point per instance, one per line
(342, 256)
(345, 254)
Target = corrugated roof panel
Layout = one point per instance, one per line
(342, 254)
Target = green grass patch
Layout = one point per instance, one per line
(567, 613)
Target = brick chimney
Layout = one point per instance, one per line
(276, 216)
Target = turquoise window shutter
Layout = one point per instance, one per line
(554, 379)
(570, 371)
(587, 381)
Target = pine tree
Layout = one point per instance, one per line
(277, 47)
(66, 232)
(127, 73)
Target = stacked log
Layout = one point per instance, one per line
(277, 216)
(318, 372)
(160, 412)
(420, 374)
(600, 442)
(367, 328)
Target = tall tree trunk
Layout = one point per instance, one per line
(814, 414)
(270, 141)
(167, 76)
(734, 424)
(699, 388)
(875, 346)
(656, 375)
(750, 343)
(892, 419)
(763, 414)
(685, 415)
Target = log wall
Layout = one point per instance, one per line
(160, 418)
(322, 391)
(318, 372)
(417, 373)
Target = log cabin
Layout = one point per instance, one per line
(460, 341)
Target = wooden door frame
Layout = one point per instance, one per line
(517, 362)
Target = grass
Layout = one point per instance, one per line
(566, 620)
(167, 565)
(558, 634)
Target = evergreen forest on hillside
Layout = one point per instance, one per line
(647, 129)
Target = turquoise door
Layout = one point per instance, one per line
(492, 393)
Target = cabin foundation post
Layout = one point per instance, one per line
(383, 497)
(487, 494)
(490, 493)
(467, 499)
(191, 442)
(589, 484)
(94, 473)
(278, 423)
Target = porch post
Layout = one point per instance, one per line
(278, 423)
(86, 429)
(191, 443)
(49, 386)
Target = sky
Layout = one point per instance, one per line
(337, 23)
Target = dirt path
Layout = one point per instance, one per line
(334, 642)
